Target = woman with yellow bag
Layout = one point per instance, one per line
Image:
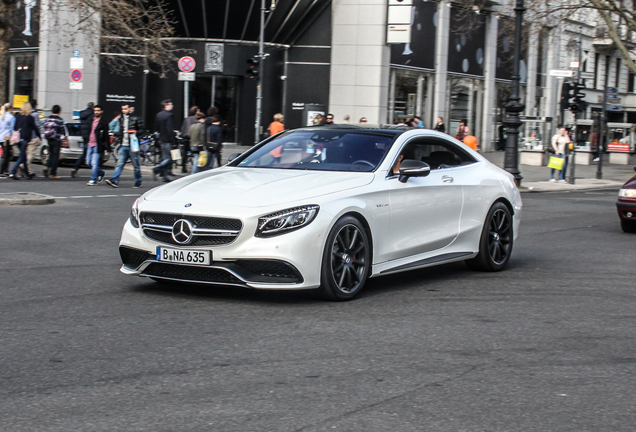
(558, 161)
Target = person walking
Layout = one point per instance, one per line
(185, 128)
(114, 125)
(35, 141)
(98, 141)
(462, 130)
(164, 124)
(215, 141)
(274, 128)
(130, 126)
(440, 127)
(346, 119)
(196, 132)
(86, 120)
(7, 122)
(418, 122)
(24, 123)
(53, 130)
(560, 142)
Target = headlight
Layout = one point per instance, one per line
(627, 193)
(286, 220)
(134, 214)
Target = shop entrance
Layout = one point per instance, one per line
(222, 92)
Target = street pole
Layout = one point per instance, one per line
(514, 105)
(259, 86)
(603, 135)
(572, 178)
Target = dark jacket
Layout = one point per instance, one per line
(134, 123)
(165, 126)
(215, 135)
(26, 126)
(101, 135)
(86, 122)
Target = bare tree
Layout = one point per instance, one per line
(131, 33)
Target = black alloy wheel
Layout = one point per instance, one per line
(495, 246)
(346, 260)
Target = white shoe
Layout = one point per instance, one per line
(561, 181)
(91, 183)
(552, 180)
(595, 160)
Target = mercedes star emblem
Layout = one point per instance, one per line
(182, 231)
(188, 205)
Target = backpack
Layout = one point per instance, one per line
(50, 128)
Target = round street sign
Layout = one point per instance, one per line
(76, 75)
(187, 64)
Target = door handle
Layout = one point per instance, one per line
(447, 179)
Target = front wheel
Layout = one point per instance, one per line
(495, 245)
(346, 261)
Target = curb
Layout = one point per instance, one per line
(25, 198)
(572, 188)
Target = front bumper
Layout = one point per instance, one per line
(289, 261)
(626, 209)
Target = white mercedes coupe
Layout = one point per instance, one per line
(326, 208)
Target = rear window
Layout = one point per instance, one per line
(73, 129)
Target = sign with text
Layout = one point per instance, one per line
(77, 63)
(187, 76)
(214, 58)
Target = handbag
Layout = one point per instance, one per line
(556, 163)
(175, 154)
(211, 146)
(202, 160)
(134, 143)
(15, 137)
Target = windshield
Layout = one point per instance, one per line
(321, 150)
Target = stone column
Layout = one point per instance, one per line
(441, 61)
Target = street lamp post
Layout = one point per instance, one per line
(514, 105)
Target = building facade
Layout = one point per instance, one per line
(332, 56)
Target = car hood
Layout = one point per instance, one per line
(257, 187)
(630, 184)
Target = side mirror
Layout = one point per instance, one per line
(233, 156)
(413, 168)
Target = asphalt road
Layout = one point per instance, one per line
(547, 345)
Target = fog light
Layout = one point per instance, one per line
(629, 214)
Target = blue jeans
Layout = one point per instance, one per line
(562, 172)
(92, 156)
(166, 161)
(22, 159)
(124, 154)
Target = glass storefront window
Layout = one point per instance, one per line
(465, 98)
(410, 95)
(23, 74)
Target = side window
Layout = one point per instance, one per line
(438, 153)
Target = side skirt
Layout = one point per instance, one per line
(438, 259)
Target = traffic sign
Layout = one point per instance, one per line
(561, 73)
(76, 53)
(76, 75)
(76, 86)
(187, 76)
(186, 64)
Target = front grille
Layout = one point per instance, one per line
(208, 231)
(133, 258)
(190, 273)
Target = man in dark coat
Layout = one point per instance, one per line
(86, 119)
(98, 142)
(164, 124)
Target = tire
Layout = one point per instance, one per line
(346, 261)
(495, 245)
(628, 226)
(44, 155)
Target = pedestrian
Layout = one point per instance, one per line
(98, 142)
(363, 119)
(34, 143)
(130, 127)
(418, 122)
(328, 120)
(440, 127)
(86, 120)
(7, 122)
(53, 130)
(462, 130)
(190, 120)
(317, 120)
(274, 128)
(164, 124)
(197, 142)
(114, 125)
(24, 123)
(215, 141)
(346, 119)
(560, 142)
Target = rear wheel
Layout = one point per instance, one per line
(346, 262)
(628, 226)
(495, 246)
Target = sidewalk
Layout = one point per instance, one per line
(535, 179)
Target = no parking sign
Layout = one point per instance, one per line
(186, 64)
(76, 75)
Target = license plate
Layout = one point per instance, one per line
(184, 256)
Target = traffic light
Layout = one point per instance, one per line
(567, 93)
(579, 105)
(253, 71)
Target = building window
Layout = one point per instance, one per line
(630, 82)
(597, 58)
(618, 72)
(23, 76)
